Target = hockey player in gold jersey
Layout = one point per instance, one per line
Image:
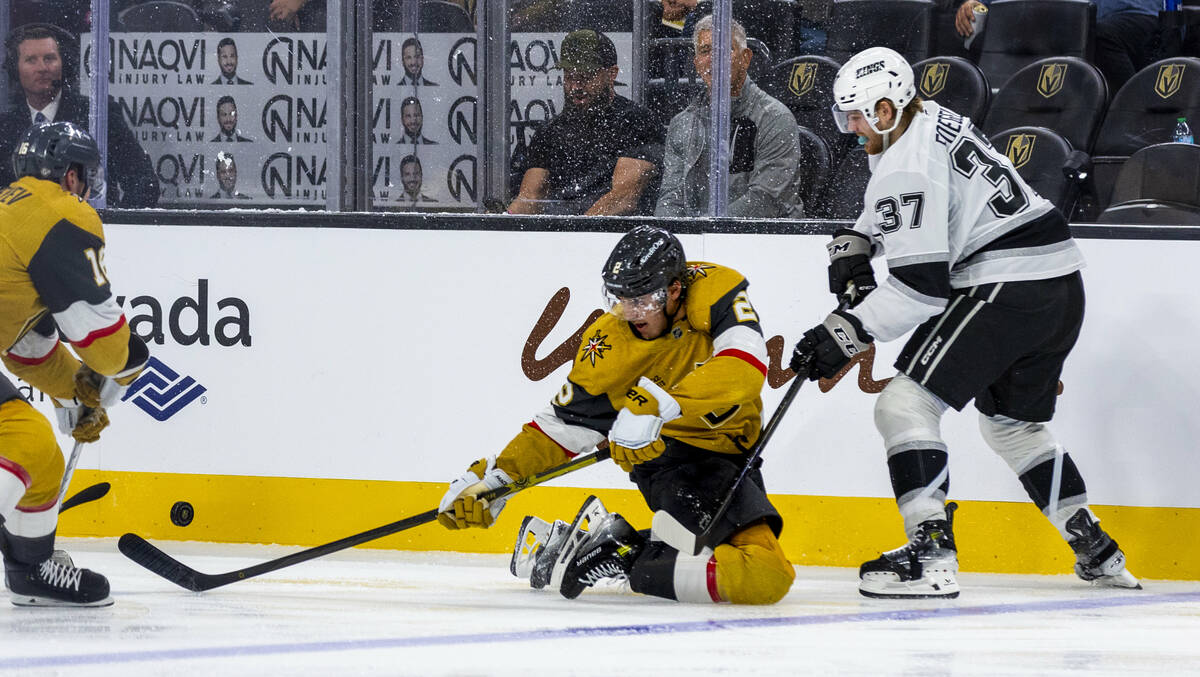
(54, 288)
(671, 377)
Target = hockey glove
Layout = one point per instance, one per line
(634, 437)
(461, 506)
(94, 389)
(82, 423)
(827, 347)
(850, 272)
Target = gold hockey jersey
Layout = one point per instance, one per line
(713, 362)
(52, 280)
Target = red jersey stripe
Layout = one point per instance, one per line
(745, 357)
(100, 333)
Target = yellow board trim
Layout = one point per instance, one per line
(838, 531)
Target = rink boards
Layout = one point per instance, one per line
(311, 383)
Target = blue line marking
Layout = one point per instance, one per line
(593, 631)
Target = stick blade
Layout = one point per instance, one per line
(86, 495)
(668, 529)
(150, 557)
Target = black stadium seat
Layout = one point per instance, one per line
(903, 25)
(437, 16)
(805, 85)
(1065, 94)
(1039, 155)
(1019, 32)
(814, 168)
(1143, 113)
(1159, 184)
(954, 83)
(843, 197)
(159, 16)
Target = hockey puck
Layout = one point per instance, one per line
(182, 513)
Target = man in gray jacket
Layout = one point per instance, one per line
(764, 163)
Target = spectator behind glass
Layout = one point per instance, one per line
(602, 154)
(669, 18)
(1128, 37)
(764, 147)
(309, 15)
(42, 59)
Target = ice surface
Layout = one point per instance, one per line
(398, 613)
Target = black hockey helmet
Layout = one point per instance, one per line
(49, 150)
(646, 260)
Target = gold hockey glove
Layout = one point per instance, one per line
(461, 506)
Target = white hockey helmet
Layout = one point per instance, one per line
(872, 74)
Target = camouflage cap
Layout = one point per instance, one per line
(586, 49)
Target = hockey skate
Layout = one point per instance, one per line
(538, 544)
(609, 551)
(51, 583)
(1097, 557)
(925, 567)
(591, 515)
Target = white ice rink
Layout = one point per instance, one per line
(388, 613)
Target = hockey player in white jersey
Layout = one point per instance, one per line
(986, 271)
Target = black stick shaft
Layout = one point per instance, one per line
(705, 538)
(147, 555)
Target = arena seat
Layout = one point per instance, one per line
(946, 41)
(814, 167)
(1158, 184)
(843, 198)
(1143, 113)
(1066, 94)
(1039, 155)
(1019, 32)
(954, 83)
(159, 16)
(805, 85)
(437, 16)
(903, 25)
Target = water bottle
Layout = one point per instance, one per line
(1183, 133)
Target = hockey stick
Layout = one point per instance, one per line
(86, 495)
(147, 555)
(674, 534)
(69, 470)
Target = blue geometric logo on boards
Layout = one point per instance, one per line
(161, 392)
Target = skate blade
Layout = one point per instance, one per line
(887, 586)
(35, 601)
(530, 538)
(1124, 580)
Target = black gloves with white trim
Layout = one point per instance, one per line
(850, 274)
(829, 346)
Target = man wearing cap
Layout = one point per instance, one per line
(764, 145)
(602, 155)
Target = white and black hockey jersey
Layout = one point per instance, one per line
(950, 212)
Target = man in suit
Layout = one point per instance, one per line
(227, 178)
(42, 60)
(227, 59)
(412, 55)
(227, 117)
(411, 177)
(413, 120)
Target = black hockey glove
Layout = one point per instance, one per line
(827, 347)
(850, 272)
